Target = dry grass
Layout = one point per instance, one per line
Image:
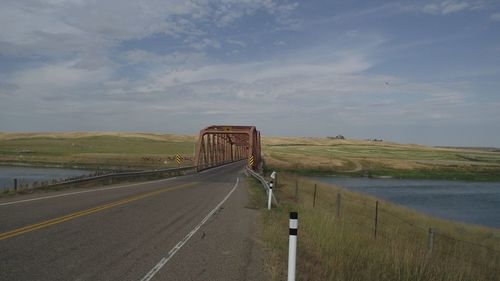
(344, 248)
(322, 155)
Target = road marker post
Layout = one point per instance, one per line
(270, 192)
(292, 245)
(270, 195)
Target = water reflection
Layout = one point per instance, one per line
(470, 202)
(28, 175)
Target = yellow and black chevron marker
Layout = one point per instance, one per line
(178, 159)
(250, 161)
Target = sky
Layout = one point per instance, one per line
(423, 72)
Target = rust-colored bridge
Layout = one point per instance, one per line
(219, 144)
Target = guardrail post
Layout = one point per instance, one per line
(292, 245)
(430, 240)
(270, 195)
(338, 205)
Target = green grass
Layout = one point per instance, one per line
(98, 144)
(93, 151)
(344, 248)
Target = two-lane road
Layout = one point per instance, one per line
(187, 228)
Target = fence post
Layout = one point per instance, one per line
(270, 195)
(376, 219)
(296, 189)
(314, 198)
(15, 184)
(292, 245)
(338, 205)
(430, 240)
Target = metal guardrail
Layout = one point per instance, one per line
(123, 175)
(264, 183)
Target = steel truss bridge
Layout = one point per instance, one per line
(220, 144)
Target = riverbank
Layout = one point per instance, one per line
(345, 247)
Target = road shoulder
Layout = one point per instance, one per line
(227, 247)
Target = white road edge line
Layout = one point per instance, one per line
(85, 191)
(181, 243)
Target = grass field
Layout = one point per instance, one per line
(367, 158)
(92, 150)
(345, 248)
(300, 155)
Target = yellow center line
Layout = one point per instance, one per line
(29, 228)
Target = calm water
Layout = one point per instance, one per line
(470, 202)
(32, 174)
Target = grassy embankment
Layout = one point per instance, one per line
(344, 248)
(367, 158)
(95, 150)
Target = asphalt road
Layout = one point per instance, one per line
(193, 227)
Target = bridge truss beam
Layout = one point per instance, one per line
(218, 145)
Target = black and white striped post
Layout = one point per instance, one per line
(292, 245)
(270, 195)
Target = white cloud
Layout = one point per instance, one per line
(495, 17)
(205, 43)
(451, 6)
(55, 27)
(139, 56)
(236, 42)
(321, 79)
(59, 79)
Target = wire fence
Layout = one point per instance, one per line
(383, 224)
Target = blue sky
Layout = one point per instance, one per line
(408, 71)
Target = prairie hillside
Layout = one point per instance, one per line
(376, 158)
(106, 150)
(129, 150)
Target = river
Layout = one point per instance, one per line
(32, 174)
(469, 202)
